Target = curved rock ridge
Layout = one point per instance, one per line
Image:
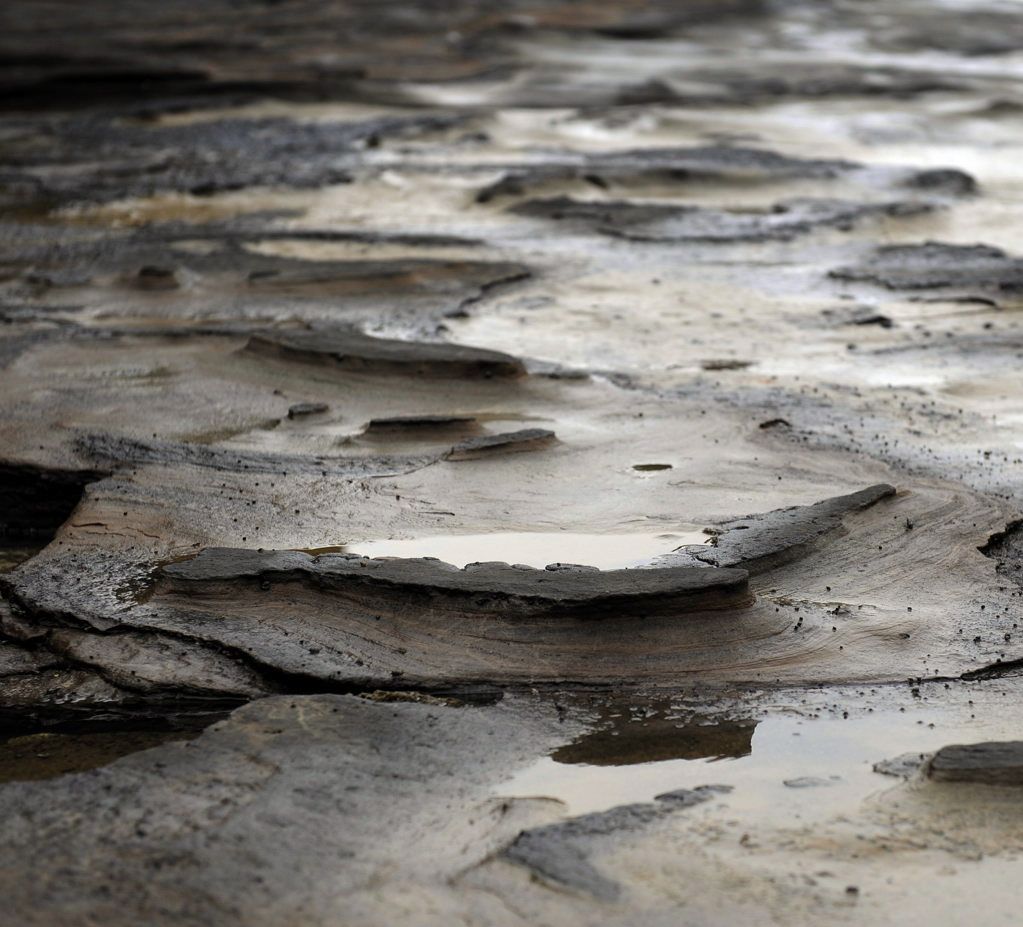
(762, 542)
(349, 349)
(991, 763)
(422, 586)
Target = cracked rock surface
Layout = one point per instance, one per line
(534, 462)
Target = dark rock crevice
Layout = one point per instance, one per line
(35, 501)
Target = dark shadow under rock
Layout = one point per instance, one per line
(322, 791)
(35, 501)
(114, 451)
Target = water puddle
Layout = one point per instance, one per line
(783, 769)
(537, 549)
(625, 742)
(46, 756)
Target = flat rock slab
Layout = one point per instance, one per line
(352, 350)
(762, 542)
(526, 439)
(289, 805)
(936, 265)
(655, 222)
(992, 763)
(113, 451)
(557, 853)
(678, 165)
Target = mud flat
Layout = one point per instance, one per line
(511, 463)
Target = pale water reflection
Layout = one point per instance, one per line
(538, 549)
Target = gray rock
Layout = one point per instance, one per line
(150, 663)
(487, 588)
(992, 763)
(349, 349)
(762, 542)
(674, 165)
(658, 222)
(290, 805)
(559, 853)
(420, 423)
(936, 265)
(112, 451)
(905, 765)
(527, 439)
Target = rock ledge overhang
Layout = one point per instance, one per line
(483, 587)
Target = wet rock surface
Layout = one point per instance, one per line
(708, 311)
(526, 439)
(249, 781)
